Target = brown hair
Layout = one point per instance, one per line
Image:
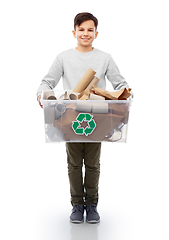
(82, 17)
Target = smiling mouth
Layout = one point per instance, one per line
(85, 39)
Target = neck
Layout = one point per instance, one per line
(84, 49)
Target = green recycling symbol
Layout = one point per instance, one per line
(87, 118)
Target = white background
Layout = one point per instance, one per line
(134, 182)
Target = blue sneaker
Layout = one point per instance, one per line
(92, 215)
(77, 214)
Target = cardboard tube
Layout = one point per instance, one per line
(59, 110)
(50, 95)
(95, 97)
(69, 95)
(66, 95)
(83, 106)
(49, 115)
(73, 96)
(85, 80)
(100, 108)
(84, 95)
(92, 83)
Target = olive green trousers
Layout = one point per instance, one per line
(83, 189)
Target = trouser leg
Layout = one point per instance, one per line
(92, 172)
(75, 163)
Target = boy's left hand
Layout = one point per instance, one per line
(39, 98)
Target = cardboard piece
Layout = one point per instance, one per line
(122, 94)
(85, 80)
(104, 124)
(126, 93)
(120, 109)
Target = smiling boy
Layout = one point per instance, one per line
(71, 65)
(85, 34)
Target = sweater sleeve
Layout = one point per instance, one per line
(50, 81)
(114, 76)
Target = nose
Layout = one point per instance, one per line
(85, 32)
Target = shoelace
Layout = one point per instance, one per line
(91, 208)
(78, 208)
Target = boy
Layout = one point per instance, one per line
(71, 65)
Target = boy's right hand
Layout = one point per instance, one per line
(39, 98)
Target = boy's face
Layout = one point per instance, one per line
(85, 33)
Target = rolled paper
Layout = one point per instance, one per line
(49, 114)
(84, 95)
(66, 95)
(50, 95)
(95, 97)
(51, 98)
(73, 96)
(59, 110)
(62, 97)
(83, 106)
(100, 108)
(93, 82)
(85, 80)
(69, 95)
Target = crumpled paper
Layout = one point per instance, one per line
(122, 94)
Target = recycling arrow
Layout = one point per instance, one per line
(76, 126)
(87, 118)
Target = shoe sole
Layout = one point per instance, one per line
(76, 221)
(92, 221)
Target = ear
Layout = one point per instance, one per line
(74, 33)
(96, 34)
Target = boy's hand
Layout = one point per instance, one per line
(39, 98)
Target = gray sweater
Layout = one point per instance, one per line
(71, 65)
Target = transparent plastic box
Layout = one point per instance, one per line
(85, 120)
